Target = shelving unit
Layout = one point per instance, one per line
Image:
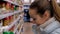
(17, 27)
(8, 1)
(9, 26)
(13, 17)
(13, 23)
(20, 29)
(8, 14)
(15, 3)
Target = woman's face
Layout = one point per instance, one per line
(37, 19)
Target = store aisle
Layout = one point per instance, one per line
(27, 28)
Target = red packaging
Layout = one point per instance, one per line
(12, 28)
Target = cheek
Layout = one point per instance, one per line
(30, 13)
(39, 21)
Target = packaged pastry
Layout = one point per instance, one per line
(12, 8)
(8, 7)
(6, 21)
(10, 19)
(3, 8)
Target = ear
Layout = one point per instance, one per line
(46, 14)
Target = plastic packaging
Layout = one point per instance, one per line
(9, 32)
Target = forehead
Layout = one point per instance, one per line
(32, 12)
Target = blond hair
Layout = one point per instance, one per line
(57, 9)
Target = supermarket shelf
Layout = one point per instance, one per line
(17, 12)
(11, 2)
(9, 26)
(18, 24)
(20, 29)
(16, 28)
(6, 28)
(12, 24)
(8, 1)
(5, 15)
(8, 14)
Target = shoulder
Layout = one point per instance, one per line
(57, 31)
(52, 27)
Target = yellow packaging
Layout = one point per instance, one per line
(6, 21)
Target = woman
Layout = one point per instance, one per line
(44, 16)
